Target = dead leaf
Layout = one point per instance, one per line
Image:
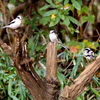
(73, 49)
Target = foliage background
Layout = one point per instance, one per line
(77, 25)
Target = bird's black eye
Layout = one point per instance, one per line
(18, 17)
(53, 32)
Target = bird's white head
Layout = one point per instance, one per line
(19, 17)
(52, 32)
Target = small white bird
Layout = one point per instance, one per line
(14, 24)
(53, 38)
(88, 54)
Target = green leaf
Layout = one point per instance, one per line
(41, 12)
(77, 31)
(80, 2)
(50, 2)
(8, 61)
(66, 2)
(62, 79)
(96, 80)
(13, 1)
(33, 45)
(52, 23)
(66, 21)
(22, 91)
(59, 0)
(71, 29)
(83, 19)
(95, 92)
(73, 20)
(78, 98)
(62, 16)
(85, 9)
(1, 64)
(21, 0)
(44, 7)
(40, 48)
(75, 68)
(91, 18)
(83, 95)
(51, 12)
(76, 4)
(90, 44)
(10, 90)
(44, 20)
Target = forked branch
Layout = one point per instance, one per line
(47, 89)
(39, 89)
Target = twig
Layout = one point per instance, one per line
(42, 65)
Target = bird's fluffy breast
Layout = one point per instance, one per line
(52, 37)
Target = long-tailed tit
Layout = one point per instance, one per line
(88, 54)
(53, 38)
(14, 24)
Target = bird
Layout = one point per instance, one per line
(53, 38)
(14, 24)
(88, 54)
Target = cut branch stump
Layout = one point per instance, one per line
(47, 89)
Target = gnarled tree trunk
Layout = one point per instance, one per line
(47, 89)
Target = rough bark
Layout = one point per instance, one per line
(39, 89)
(46, 89)
(80, 83)
(51, 68)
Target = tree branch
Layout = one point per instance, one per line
(75, 89)
(51, 68)
(47, 89)
(39, 89)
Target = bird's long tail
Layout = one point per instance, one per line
(3, 27)
(67, 48)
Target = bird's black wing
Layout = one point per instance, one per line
(11, 22)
